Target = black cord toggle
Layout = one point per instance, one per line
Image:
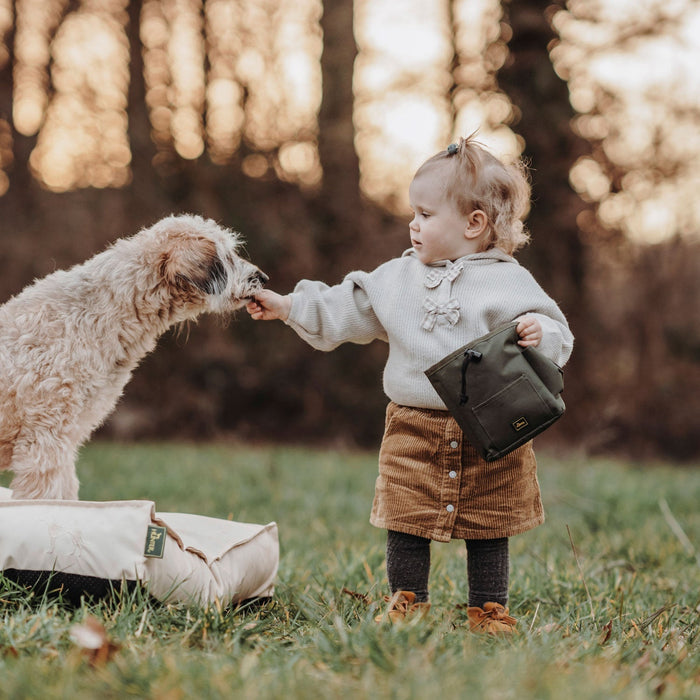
(469, 357)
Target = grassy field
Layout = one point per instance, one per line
(616, 615)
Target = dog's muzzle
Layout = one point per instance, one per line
(260, 277)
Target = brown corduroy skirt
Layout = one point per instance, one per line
(432, 482)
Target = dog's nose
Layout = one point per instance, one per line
(260, 277)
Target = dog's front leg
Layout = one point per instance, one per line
(43, 468)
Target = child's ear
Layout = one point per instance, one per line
(477, 223)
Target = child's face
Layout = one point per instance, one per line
(438, 230)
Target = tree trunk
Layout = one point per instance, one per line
(340, 191)
(142, 147)
(556, 252)
(556, 256)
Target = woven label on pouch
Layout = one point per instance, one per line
(520, 424)
(155, 541)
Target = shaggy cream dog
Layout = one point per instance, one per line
(69, 342)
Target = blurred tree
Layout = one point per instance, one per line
(340, 188)
(267, 117)
(6, 140)
(590, 268)
(633, 78)
(143, 150)
(631, 72)
(556, 254)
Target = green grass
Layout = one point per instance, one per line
(617, 619)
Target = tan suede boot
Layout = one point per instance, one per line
(493, 619)
(402, 606)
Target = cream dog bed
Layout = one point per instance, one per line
(87, 547)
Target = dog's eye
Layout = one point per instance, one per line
(218, 277)
(215, 280)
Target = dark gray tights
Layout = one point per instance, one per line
(408, 567)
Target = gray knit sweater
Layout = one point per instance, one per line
(424, 312)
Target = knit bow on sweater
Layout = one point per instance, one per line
(449, 311)
(444, 307)
(450, 273)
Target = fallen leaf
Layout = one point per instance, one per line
(358, 596)
(607, 632)
(92, 639)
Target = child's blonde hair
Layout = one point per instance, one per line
(478, 180)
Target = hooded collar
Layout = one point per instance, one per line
(485, 257)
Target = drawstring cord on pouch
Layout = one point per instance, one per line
(469, 357)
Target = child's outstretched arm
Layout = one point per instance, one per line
(269, 306)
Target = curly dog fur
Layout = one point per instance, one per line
(69, 342)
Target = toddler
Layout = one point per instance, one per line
(456, 282)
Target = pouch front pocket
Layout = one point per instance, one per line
(515, 411)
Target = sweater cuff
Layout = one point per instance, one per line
(557, 341)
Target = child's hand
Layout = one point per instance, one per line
(530, 331)
(268, 306)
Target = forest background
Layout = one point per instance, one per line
(300, 123)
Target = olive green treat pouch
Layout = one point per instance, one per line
(500, 393)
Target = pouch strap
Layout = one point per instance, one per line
(469, 357)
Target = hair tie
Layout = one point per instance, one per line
(452, 149)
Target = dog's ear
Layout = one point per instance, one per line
(193, 261)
